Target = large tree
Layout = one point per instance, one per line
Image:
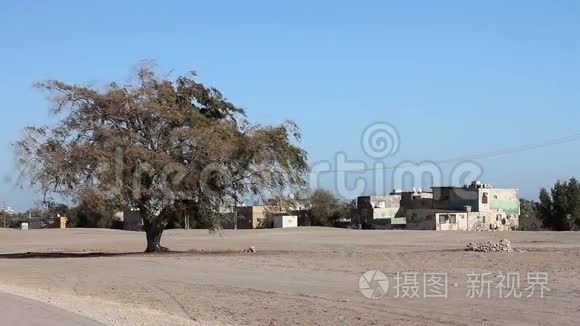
(159, 146)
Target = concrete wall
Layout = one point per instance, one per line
(461, 197)
(371, 208)
(506, 200)
(424, 219)
(501, 206)
(389, 224)
(502, 221)
(441, 197)
(474, 221)
(251, 217)
(36, 223)
(420, 219)
(417, 200)
(451, 221)
(379, 201)
(56, 223)
(386, 213)
(285, 221)
(436, 219)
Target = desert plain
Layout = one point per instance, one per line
(304, 276)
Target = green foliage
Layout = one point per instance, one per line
(326, 209)
(13, 221)
(529, 216)
(560, 208)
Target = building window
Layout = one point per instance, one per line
(453, 219)
(484, 199)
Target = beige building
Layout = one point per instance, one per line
(261, 216)
(58, 222)
(285, 221)
(380, 211)
(485, 207)
(477, 207)
(251, 217)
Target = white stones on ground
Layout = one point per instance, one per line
(490, 246)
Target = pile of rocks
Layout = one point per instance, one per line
(490, 246)
(251, 250)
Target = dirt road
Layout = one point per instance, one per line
(304, 276)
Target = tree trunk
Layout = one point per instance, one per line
(154, 230)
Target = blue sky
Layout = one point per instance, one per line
(454, 77)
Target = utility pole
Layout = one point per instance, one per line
(235, 215)
(4, 212)
(235, 211)
(467, 210)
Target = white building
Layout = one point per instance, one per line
(285, 221)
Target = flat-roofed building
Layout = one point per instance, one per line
(475, 207)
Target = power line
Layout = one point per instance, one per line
(477, 156)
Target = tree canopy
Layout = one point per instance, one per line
(159, 146)
(326, 209)
(560, 208)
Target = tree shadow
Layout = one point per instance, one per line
(59, 255)
(63, 255)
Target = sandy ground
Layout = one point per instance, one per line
(307, 276)
(18, 311)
